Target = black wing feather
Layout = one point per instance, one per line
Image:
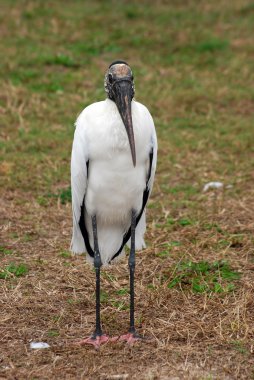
(82, 224)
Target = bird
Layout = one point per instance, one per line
(113, 165)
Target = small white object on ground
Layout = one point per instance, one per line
(213, 185)
(39, 345)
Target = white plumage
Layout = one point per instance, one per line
(112, 172)
(113, 186)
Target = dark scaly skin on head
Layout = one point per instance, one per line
(119, 86)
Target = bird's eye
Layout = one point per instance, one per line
(110, 78)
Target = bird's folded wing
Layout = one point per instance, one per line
(79, 159)
(149, 185)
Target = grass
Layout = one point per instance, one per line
(193, 69)
(53, 333)
(5, 251)
(203, 277)
(12, 269)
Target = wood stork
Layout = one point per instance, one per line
(112, 174)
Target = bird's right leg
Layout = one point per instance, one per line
(97, 266)
(97, 337)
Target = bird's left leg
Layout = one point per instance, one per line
(97, 265)
(97, 337)
(132, 335)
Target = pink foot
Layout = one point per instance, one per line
(131, 338)
(97, 341)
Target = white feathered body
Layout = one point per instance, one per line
(113, 186)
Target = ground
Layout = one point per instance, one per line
(194, 69)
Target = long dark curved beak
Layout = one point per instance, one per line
(123, 97)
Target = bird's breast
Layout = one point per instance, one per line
(115, 186)
(114, 189)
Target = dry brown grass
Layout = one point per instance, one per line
(194, 336)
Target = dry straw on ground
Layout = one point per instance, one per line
(195, 336)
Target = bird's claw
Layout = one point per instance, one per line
(131, 338)
(97, 340)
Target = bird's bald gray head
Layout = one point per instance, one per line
(118, 71)
(119, 86)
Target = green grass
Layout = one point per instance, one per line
(123, 291)
(55, 75)
(13, 269)
(65, 195)
(120, 305)
(168, 247)
(65, 254)
(202, 276)
(175, 224)
(239, 346)
(61, 60)
(5, 251)
(53, 333)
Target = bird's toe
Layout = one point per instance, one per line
(97, 340)
(131, 338)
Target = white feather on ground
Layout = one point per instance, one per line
(39, 345)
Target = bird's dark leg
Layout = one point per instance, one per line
(132, 336)
(97, 337)
(97, 266)
(132, 272)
